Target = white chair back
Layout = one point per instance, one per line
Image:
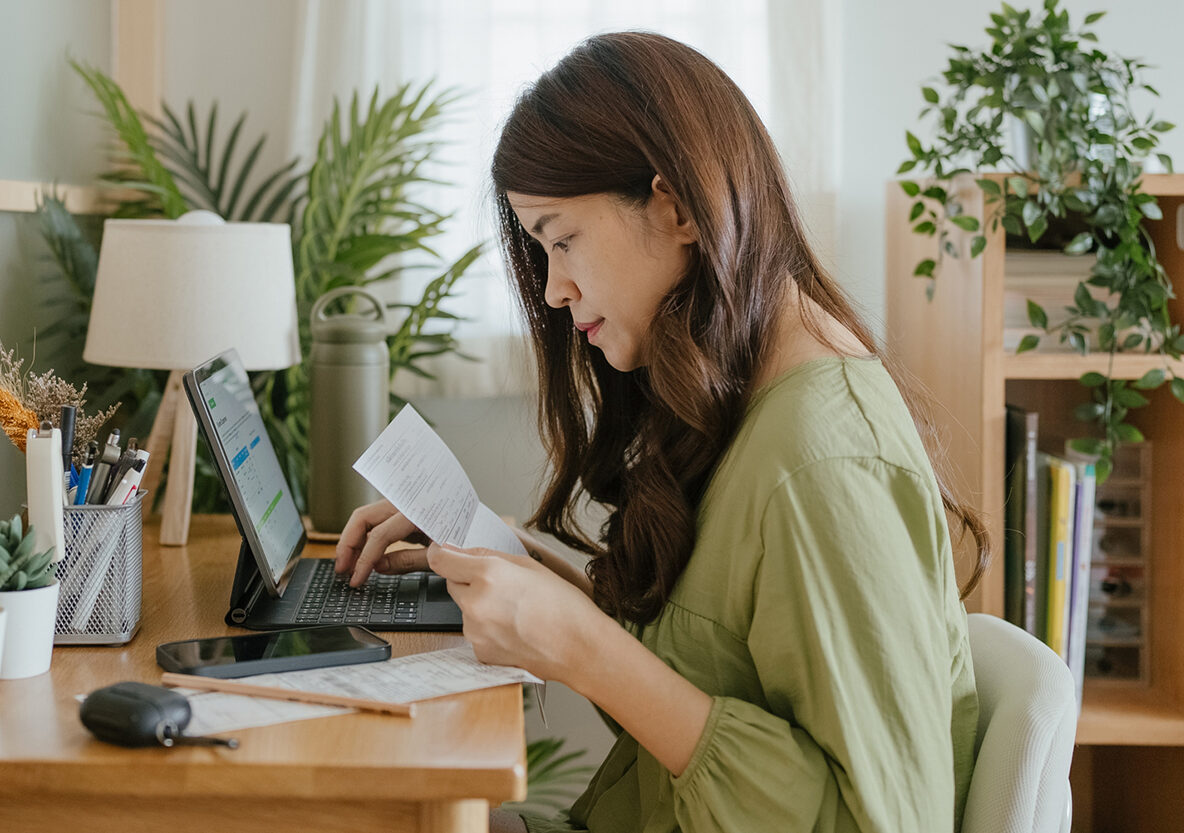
(1026, 727)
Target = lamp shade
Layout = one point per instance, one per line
(170, 294)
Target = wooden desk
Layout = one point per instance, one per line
(440, 771)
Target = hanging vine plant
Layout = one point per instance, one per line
(1081, 164)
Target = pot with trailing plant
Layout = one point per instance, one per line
(1072, 181)
(29, 598)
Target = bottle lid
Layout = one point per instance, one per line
(368, 325)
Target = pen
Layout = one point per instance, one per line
(127, 486)
(69, 412)
(120, 469)
(98, 477)
(88, 464)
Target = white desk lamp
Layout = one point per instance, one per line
(170, 294)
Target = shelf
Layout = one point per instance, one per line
(1164, 185)
(1115, 641)
(1069, 365)
(1117, 714)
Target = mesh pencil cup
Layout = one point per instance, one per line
(101, 575)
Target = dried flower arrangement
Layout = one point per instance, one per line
(26, 403)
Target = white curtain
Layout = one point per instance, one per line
(782, 53)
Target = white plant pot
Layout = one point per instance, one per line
(27, 644)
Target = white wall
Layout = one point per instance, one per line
(48, 133)
(891, 49)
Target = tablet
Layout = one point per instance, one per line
(224, 403)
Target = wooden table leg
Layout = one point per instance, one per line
(454, 816)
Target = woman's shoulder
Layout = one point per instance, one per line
(836, 407)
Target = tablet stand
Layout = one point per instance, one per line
(248, 585)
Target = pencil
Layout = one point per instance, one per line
(275, 693)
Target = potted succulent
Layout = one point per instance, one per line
(29, 598)
(1072, 180)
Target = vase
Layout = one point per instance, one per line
(27, 644)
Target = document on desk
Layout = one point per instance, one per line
(401, 679)
(415, 470)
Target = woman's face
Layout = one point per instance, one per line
(609, 263)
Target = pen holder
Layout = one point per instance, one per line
(101, 574)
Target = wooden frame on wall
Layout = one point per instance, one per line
(136, 65)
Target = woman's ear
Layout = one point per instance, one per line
(668, 213)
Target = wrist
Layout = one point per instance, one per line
(592, 644)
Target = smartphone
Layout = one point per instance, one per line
(263, 653)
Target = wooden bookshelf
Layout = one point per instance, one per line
(953, 347)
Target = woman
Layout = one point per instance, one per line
(770, 617)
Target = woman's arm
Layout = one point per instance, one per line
(555, 562)
(660, 708)
(518, 612)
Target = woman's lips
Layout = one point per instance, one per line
(590, 328)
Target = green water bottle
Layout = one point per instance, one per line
(349, 387)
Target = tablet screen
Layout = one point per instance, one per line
(244, 453)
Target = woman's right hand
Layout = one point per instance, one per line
(364, 541)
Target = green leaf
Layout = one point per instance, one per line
(1037, 228)
(1088, 411)
(1128, 433)
(1132, 341)
(977, 245)
(930, 95)
(926, 227)
(915, 212)
(914, 144)
(131, 132)
(1102, 469)
(1092, 379)
(965, 222)
(1028, 342)
(1094, 17)
(906, 166)
(1018, 185)
(1166, 161)
(1037, 316)
(925, 268)
(1080, 244)
(1177, 388)
(1128, 398)
(1151, 379)
(989, 186)
(1091, 446)
(1151, 211)
(1031, 213)
(910, 188)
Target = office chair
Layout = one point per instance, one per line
(1026, 726)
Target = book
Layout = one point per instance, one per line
(1020, 519)
(1082, 561)
(1062, 477)
(1039, 627)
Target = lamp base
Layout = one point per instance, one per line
(174, 434)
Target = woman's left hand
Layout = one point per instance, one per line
(516, 611)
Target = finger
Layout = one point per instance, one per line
(395, 528)
(353, 536)
(403, 560)
(455, 565)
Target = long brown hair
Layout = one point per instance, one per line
(616, 111)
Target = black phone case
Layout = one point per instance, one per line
(352, 656)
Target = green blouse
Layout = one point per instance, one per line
(820, 611)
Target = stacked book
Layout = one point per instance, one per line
(1049, 541)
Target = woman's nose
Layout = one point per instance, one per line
(560, 290)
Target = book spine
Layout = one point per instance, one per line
(1062, 477)
(1082, 560)
(1031, 522)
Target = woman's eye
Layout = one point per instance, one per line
(561, 245)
